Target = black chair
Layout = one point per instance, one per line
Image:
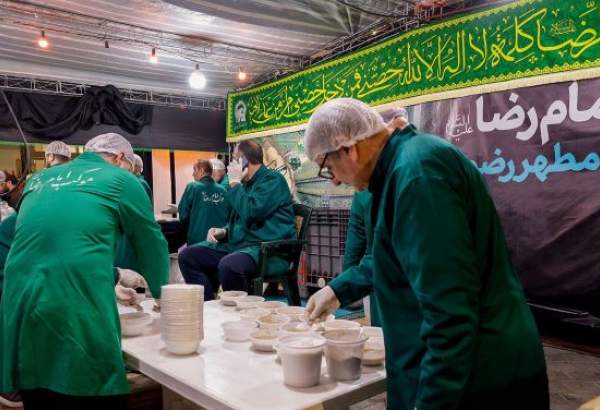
(288, 250)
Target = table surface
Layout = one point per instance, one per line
(228, 375)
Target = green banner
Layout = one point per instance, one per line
(521, 39)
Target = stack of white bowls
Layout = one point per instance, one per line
(182, 317)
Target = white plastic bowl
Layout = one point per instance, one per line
(249, 302)
(229, 298)
(374, 352)
(134, 323)
(338, 324)
(264, 339)
(182, 347)
(272, 305)
(372, 331)
(238, 331)
(295, 329)
(295, 313)
(272, 321)
(253, 314)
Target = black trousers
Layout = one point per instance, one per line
(43, 399)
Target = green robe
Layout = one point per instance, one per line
(357, 278)
(124, 254)
(7, 234)
(59, 324)
(145, 185)
(202, 207)
(261, 211)
(459, 333)
(225, 182)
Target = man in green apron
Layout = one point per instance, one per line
(458, 331)
(59, 325)
(202, 204)
(261, 211)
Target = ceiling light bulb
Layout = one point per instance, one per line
(242, 76)
(374, 32)
(197, 80)
(153, 56)
(42, 42)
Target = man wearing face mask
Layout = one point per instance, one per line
(261, 206)
(59, 325)
(57, 152)
(219, 173)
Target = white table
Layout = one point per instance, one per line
(227, 375)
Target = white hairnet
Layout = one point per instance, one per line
(138, 161)
(111, 143)
(341, 122)
(58, 148)
(2, 176)
(217, 164)
(389, 115)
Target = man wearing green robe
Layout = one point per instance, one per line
(458, 331)
(355, 276)
(138, 169)
(261, 211)
(219, 174)
(7, 234)
(59, 325)
(202, 204)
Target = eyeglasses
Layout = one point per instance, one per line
(324, 172)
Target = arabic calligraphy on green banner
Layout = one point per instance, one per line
(524, 38)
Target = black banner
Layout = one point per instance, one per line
(538, 148)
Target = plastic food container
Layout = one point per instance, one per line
(374, 352)
(253, 314)
(372, 331)
(230, 297)
(249, 302)
(301, 360)
(264, 339)
(343, 353)
(272, 305)
(338, 324)
(238, 331)
(272, 321)
(134, 323)
(295, 313)
(295, 329)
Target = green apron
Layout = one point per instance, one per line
(356, 281)
(59, 324)
(459, 333)
(7, 234)
(202, 207)
(261, 211)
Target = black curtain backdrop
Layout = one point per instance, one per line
(75, 120)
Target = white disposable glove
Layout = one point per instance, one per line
(131, 279)
(235, 172)
(322, 304)
(215, 234)
(125, 296)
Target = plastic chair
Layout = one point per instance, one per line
(288, 250)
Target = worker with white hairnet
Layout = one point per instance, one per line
(138, 168)
(458, 331)
(57, 152)
(219, 173)
(59, 324)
